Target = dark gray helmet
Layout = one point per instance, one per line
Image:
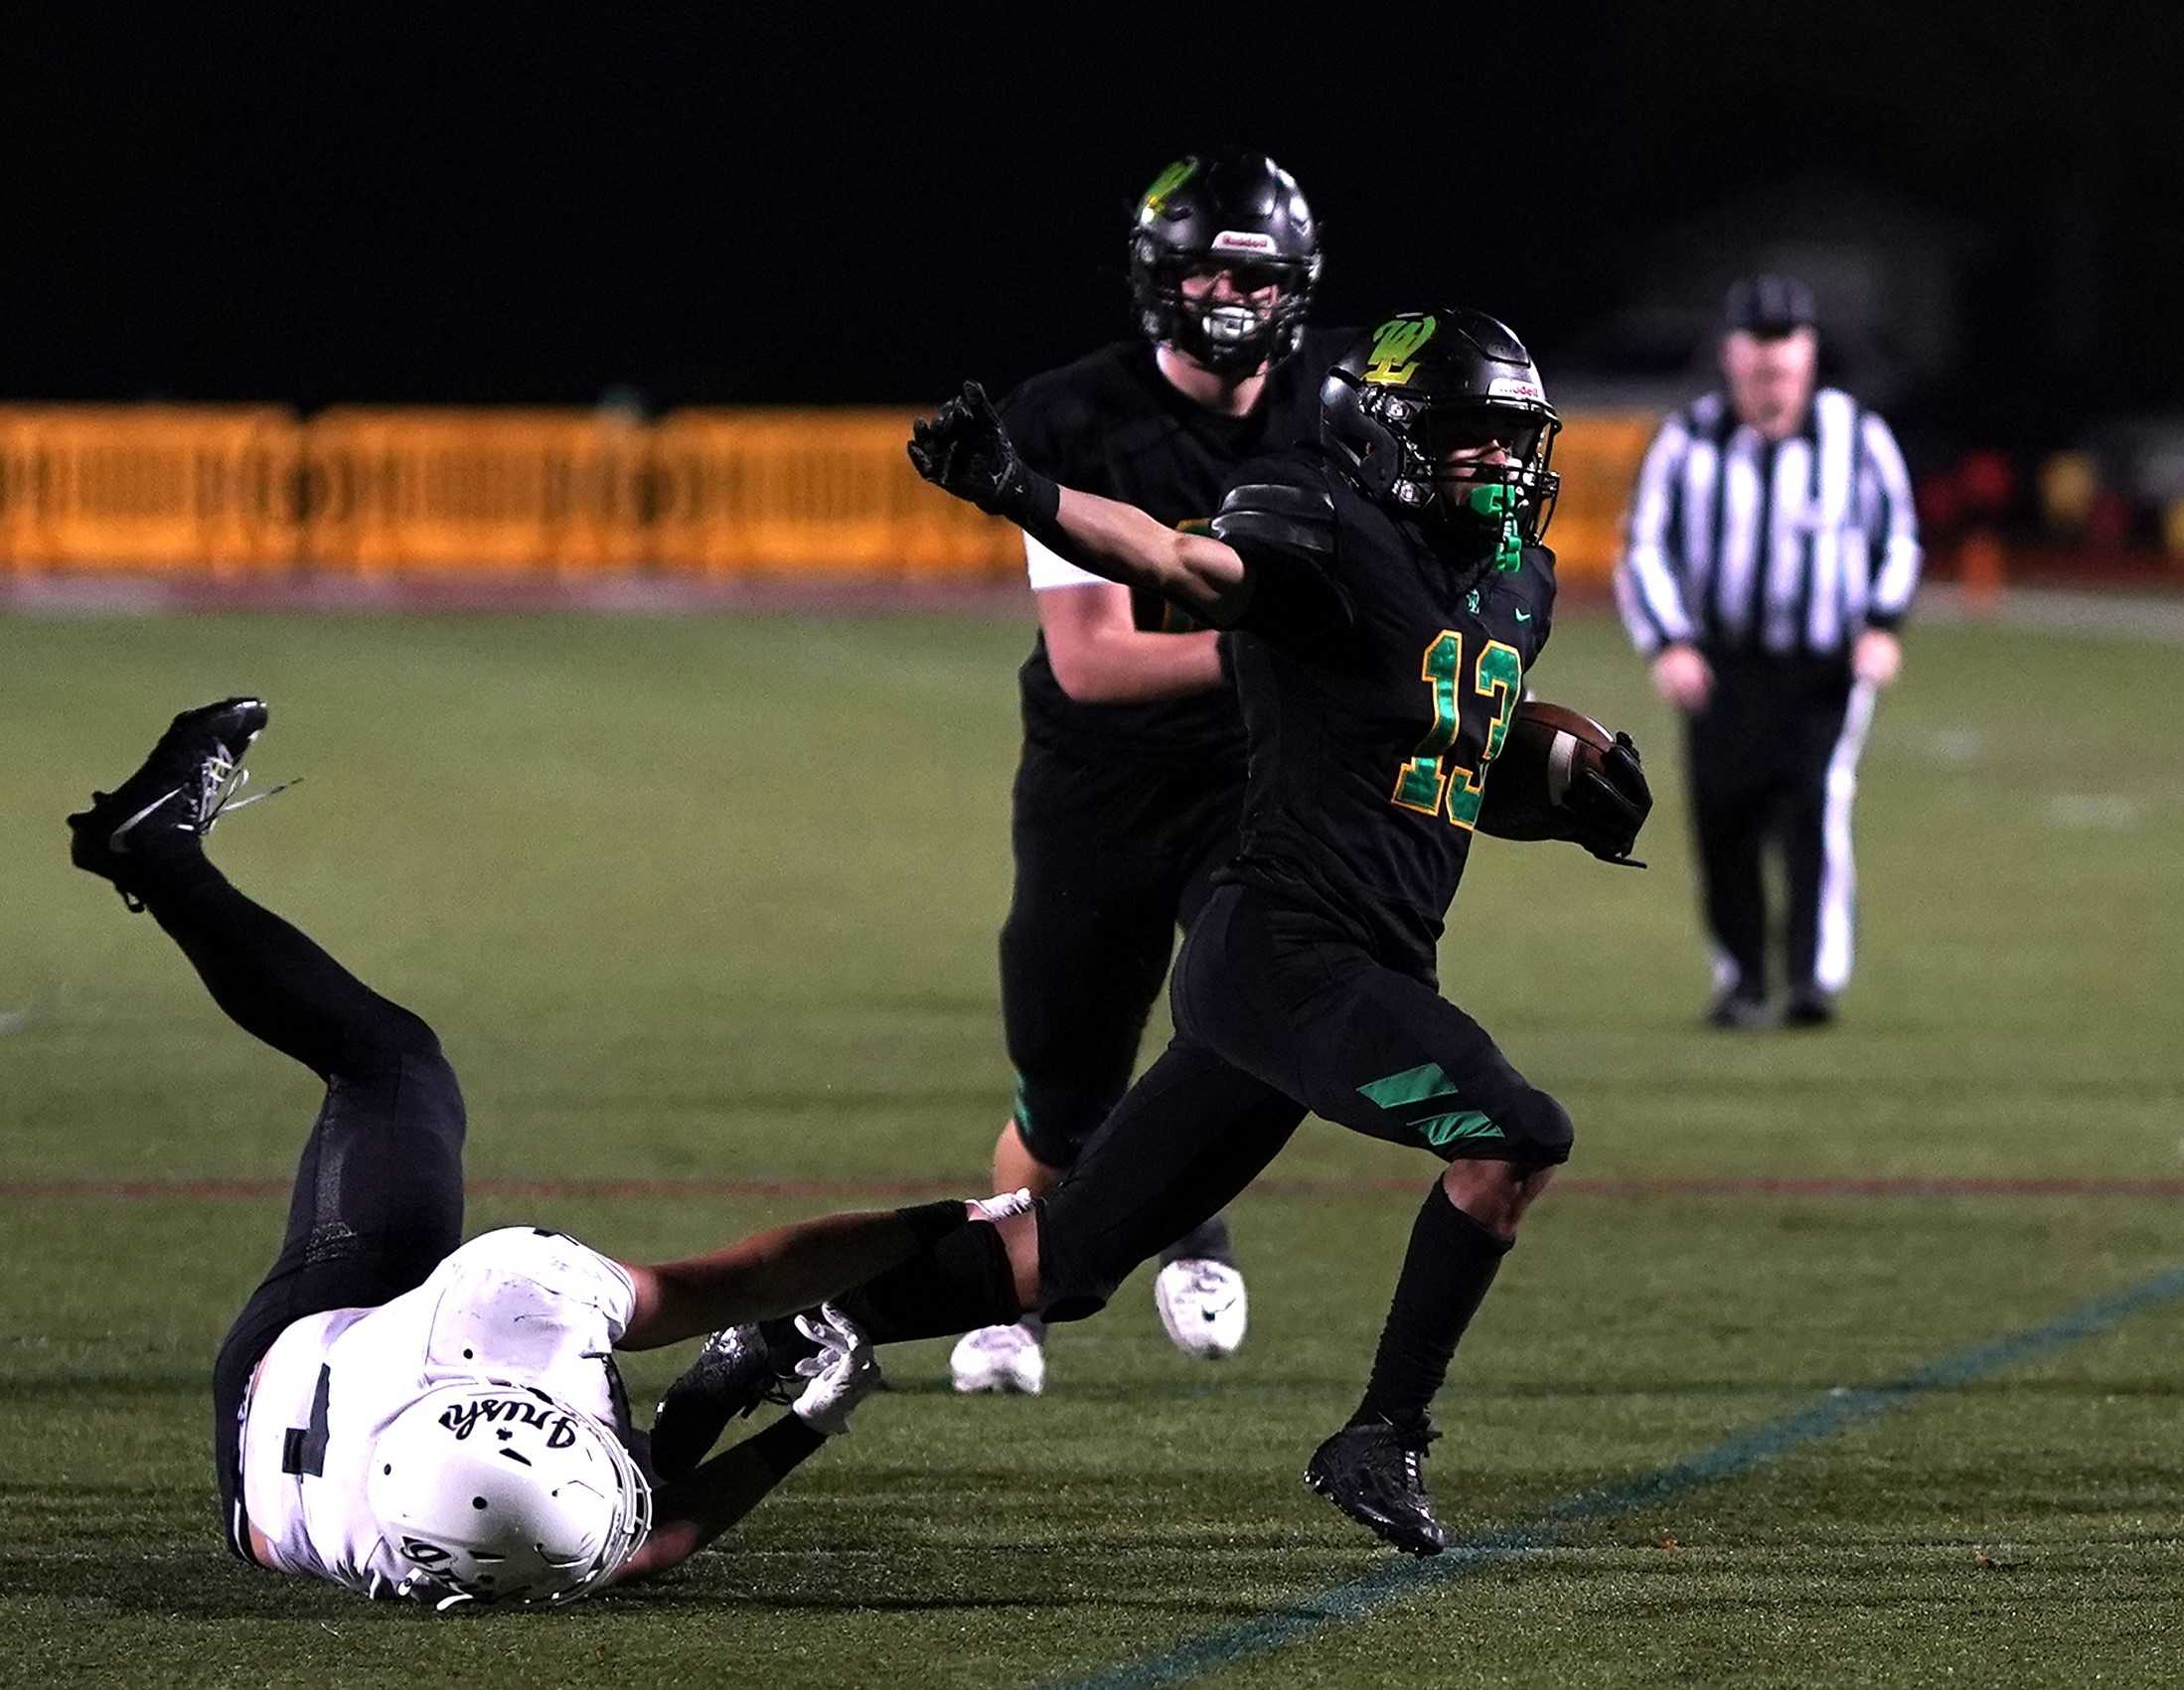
(1244, 213)
(1426, 382)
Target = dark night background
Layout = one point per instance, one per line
(490, 207)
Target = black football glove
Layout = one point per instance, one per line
(963, 449)
(1609, 804)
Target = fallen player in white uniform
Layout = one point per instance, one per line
(404, 1416)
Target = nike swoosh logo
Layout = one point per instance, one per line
(1523, 616)
(116, 842)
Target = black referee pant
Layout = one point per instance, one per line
(1772, 763)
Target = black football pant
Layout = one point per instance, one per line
(378, 1201)
(1278, 1014)
(1774, 764)
(1109, 861)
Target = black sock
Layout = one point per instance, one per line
(962, 1281)
(1209, 1241)
(1446, 1271)
(930, 1223)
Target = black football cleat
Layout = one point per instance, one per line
(1375, 1475)
(736, 1369)
(1812, 1009)
(184, 786)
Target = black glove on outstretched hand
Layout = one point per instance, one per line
(1610, 803)
(963, 449)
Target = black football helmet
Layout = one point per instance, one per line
(1425, 384)
(1245, 214)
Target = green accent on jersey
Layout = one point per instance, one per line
(1446, 1129)
(1396, 344)
(1021, 1112)
(1419, 784)
(1413, 1085)
(1165, 183)
(1499, 504)
(1499, 676)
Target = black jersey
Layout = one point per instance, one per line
(1377, 681)
(1111, 424)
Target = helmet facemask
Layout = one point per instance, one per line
(1231, 334)
(1499, 508)
(1507, 505)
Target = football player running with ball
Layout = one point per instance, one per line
(1389, 595)
(1131, 777)
(410, 1418)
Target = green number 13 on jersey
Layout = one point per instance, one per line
(1499, 677)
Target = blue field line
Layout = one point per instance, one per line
(1840, 1408)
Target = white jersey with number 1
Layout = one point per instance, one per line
(523, 1307)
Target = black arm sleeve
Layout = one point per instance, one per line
(1284, 530)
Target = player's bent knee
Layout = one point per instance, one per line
(411, 1035)
(382, 1036)
(1540, 1131)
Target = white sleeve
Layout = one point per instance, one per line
(1050, 569)
(1892, 520)
(1647, 592)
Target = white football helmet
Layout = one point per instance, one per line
(502, 1493)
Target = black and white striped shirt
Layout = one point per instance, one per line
(1792, 546)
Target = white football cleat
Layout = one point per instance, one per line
(1203, 1306)
(999, 1358)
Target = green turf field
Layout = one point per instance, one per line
(715, 900)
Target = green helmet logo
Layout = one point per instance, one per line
(1165, 183)
(1396, 344)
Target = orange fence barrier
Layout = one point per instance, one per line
(169, 488)
(716, 492)
(441, 491)
(799, 492)
(1597, 456)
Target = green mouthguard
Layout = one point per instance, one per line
(1499, 504)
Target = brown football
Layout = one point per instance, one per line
(1547, 746)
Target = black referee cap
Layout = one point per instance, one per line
(1767, 305)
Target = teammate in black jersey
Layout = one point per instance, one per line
(1132, 776)
(1389, 594)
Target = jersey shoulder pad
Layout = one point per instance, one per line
(524, 1300)
(1095, 385)
(1057, 416)
(1293, 513)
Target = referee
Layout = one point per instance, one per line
(1771, 552)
